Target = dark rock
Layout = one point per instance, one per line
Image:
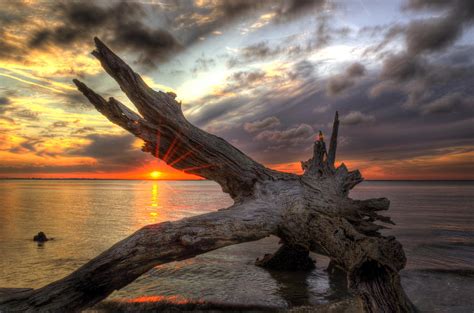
(287, 258)
(40, 237)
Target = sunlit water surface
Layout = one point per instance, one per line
(435, 223)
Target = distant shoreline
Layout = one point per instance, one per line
(33, 178)
(137, 179)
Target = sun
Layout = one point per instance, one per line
(155, 174)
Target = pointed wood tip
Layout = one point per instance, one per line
(100, 44)
(97, 41)
(102, 50)
(80, 85)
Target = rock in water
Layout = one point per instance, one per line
(40, 237)
(287, 258)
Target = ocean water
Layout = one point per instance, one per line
(435, 224)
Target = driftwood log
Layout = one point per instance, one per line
(311, 211)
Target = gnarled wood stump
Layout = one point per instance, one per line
(311, 211)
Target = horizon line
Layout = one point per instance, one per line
(202, 179)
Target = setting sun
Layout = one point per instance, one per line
(155, 174)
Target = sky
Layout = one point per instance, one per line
(264, 75)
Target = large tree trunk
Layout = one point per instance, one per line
(310, 211)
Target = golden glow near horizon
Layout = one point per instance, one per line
(155, 174)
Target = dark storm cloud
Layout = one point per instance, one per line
(27, 114)
(356, 117)
(390, 33)
(465, 8)
(284, 9)
(247, 96)
(235, 8)
(75, 100)
(122, 24)
(213, 111)
(30, 144)
(293, 8)
(255, 52)
(83, 130)
(425, 71)
(438, 33)
(460, 56)
(260, 125)
(244, 80)
(371, 128)
(302, 133)
(428, 4)
(203, 64)
(150, 30)
(402, 67)
(260, 50)
(432, 34)
(449, 103)
(421, 80)
(339, 83)
(11, 15)
(107, 146)
(355, 70)
(321, 37)
(8, 50)
(290, 48)
(112, 152)
(302, 70)
(4, 101)
(201, 20)
(78, 21)
(155, 45)
(229, 100)
(377, 129)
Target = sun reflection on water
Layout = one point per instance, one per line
(154, 203)
(154, 195)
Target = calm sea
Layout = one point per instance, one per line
(435, 223)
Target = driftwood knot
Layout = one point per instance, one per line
(188, 240)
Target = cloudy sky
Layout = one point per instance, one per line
(265, 75)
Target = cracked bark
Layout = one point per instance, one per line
(312, 211)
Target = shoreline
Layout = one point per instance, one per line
(344, 305)
(148, 179)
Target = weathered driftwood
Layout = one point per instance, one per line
(311, 211)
